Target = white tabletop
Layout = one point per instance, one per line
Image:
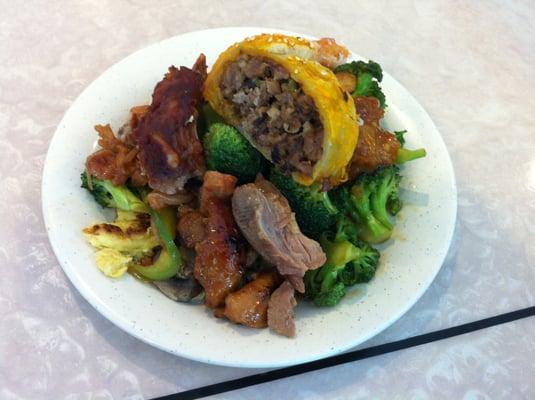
(470, 64)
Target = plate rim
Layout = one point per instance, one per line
(98, 305)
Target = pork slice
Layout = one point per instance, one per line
(267, 222)
(280, 313)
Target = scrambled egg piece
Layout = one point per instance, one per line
(112, 263)
(129, 236)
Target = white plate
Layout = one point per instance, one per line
(409, 262)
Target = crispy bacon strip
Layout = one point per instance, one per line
(169, 149)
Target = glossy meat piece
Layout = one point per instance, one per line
(191, 228)
(169, 149)
(266, 220)
(249, 305)
(116, 161)
(280, 315)
(216, 185)
(368, 109)
(158, 200)
(376, 147)
(221, 254)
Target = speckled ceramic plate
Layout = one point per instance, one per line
(408, 265)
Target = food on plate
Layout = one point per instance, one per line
(228, 151)
(281, 310)
(311, 205)
(220, 260)
(266, 220)
(249, 305)
(261, 183)
(349, 261)
(289, 106)
(170, 152)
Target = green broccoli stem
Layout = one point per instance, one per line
(405, 155)
(328, 204)
(123, 198)
(372, 230)
(378, 201)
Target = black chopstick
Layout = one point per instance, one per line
(344, 358)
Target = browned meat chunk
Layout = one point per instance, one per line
(158, 200)
(169, 149)
(221, 254)
(249, 305)
(347, 81)
(216, 185)
(116, 161)
(376, 147)
(191, 228)
(265, 218)
(275, 112)
(368, 109)
(280, 314)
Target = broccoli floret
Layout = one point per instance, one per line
(368, 202)
(323, 287)
(349, 261)
(362, 267)
(108, 195)
(368, 77)
(229, 152)
(332, 297)
(385, 198)
(313, 209)
(371, 229)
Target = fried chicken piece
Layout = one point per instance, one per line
(169, 149)
(376, 147)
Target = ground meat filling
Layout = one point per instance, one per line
(275, 111)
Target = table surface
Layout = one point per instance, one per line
(470, 64)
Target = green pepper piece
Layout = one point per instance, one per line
(169, 262)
